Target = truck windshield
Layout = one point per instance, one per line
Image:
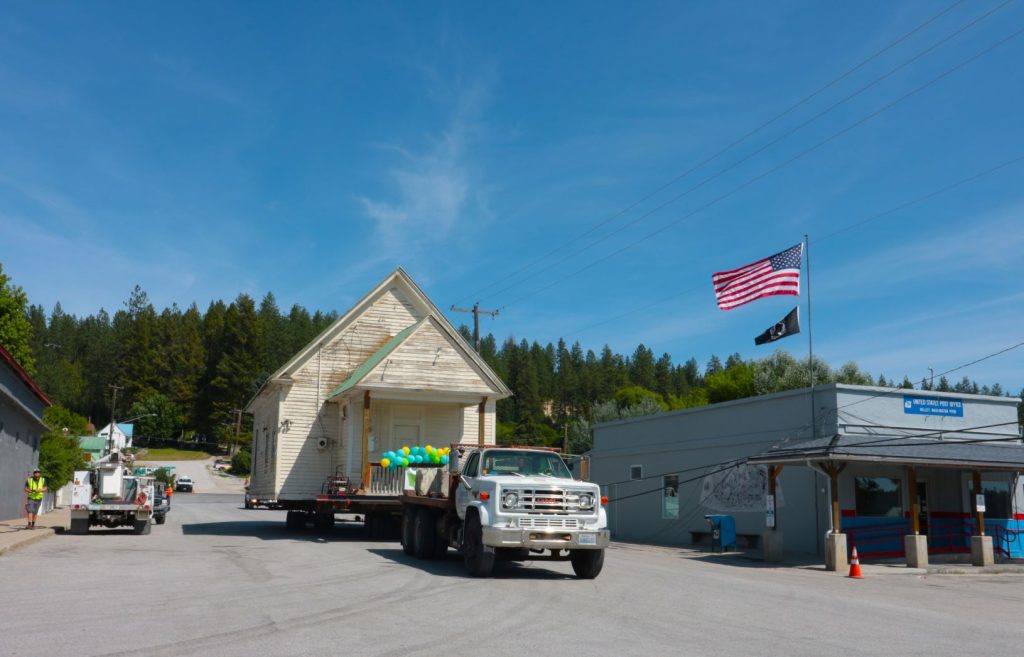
(498, 462)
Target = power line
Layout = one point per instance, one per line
(726, 148)
(773, 169)
(771, 143)
(902, 206)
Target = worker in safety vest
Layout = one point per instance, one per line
(35, 487)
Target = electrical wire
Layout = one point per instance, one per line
(962, 64)
(726, 148)
(902, 206)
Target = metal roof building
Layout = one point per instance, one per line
(874, 465)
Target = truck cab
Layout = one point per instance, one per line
(515, 504)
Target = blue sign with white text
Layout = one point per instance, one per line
(933, 406)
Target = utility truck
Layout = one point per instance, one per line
(505, 503)
(110, 495)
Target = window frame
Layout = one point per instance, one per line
(665, 497)
(636, 468)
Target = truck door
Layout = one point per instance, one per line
(462, 494)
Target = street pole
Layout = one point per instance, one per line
(238, 428)
(113, 405)
(476, 320)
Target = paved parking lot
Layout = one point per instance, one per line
(220, 580)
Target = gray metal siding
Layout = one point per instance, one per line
(19, 453)
(677, 442)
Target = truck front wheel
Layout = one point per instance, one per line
(479, 562)
(587, 564)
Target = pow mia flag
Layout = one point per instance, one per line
(789, 325)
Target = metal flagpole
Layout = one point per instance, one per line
(810, 330)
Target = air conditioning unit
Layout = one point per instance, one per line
(321, 443)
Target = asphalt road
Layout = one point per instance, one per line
(220, 580)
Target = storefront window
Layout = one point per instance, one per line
(997, 498)
(670, 497)
(879, 497)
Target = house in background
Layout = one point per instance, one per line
(122, 435)
(21, 427)
(94, 448)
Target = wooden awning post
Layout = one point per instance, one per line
(979, 516)
(833, 474)
(366, 439)
(481, 422)
(915, 509)
(773, 476)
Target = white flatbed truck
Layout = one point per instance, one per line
(506, 503)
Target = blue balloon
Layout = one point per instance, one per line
(444, 459)
(419, 458)
(388, 455)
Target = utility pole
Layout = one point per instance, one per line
(113, 405)
(476, 320)
(238, 428)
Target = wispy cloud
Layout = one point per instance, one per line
(437, 188)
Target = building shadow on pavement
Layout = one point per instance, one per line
(451, 566)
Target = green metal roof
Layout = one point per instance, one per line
(374, 360)
(92, 443)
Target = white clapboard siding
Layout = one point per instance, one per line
(426, 360)
(471, 422)
(302, 467)
(291, 412)
(265, 426)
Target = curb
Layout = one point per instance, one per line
(42, 534)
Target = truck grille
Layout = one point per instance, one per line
(549, 501)
(546, 521)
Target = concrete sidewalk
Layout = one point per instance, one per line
(14, 535)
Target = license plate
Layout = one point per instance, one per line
(588, 539)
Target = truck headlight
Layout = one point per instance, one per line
(586, 501)
(509, 500)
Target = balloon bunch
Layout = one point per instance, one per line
(403, 458)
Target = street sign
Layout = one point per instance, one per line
(914, 405)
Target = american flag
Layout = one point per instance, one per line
(779, 274)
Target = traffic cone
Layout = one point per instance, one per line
(855, 566)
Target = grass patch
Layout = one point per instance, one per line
(171, 454)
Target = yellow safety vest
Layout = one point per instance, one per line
(35, 488)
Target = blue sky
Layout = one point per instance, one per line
(206, 149)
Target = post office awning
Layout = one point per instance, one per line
(899, 450)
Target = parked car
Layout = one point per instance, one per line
(221, 464)
(183, 485)
(161, 504)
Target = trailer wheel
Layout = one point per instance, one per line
(479, 562)
(295, 521)
(79, 526)
(587, 564)
(324, 521)
(408, 527)
(143, 527)
(423, 534)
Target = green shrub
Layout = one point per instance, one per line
(241, 463)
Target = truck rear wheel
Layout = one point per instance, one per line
(143, 526)
(160, 519)
(479, 562)
(587, 564)
(79, 526)
(408, 530)
(424, 534)
(324, 520)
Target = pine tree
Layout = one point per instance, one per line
(641, 371)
